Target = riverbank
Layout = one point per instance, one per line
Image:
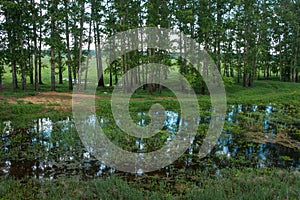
(233, 184)
(262, 92)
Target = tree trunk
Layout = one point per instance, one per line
(245, 82)
(280, 61)
(60, 75)
(219, 55)
(205, 65)
(239, 67)
(40, 51)
(68, 46)
(142, 60)
(116, 72)
(12, 58)
(35, 62)
(80, 46)
(1, 85)
(88, 56)
(110, 76)
(23, 65)
(99, 57)
(181, 67)
(52, 69)
(111, 65)
(14, 74)
(75, 67)
(30, 68)
(52, 51)
(251, 83)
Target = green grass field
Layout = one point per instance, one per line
(236, 184)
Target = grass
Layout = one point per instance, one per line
(251, 184)
(235, 184)
(264, 91)
(23, 113)
(71, 188)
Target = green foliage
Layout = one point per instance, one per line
(234, 184)
(228, 81)
(249, 184)
(72, 188)
(264, 92)
(259, 40)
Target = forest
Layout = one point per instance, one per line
(247, 39)
(149, 99)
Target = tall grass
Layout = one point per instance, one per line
(234, 184)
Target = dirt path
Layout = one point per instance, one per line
(56, 100)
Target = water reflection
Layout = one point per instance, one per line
(47, 149)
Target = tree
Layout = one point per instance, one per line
(97, 13)
(10, 12)
(34, 12)
(54, 37)
(80, 43)
(66, 6)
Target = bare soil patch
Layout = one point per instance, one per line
(57, 100)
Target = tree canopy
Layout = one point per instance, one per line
(248, 39)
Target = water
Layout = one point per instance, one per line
(49, 149)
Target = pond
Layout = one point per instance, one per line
(253, 136)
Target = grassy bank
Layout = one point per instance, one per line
(235, 184)
(263, 91)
